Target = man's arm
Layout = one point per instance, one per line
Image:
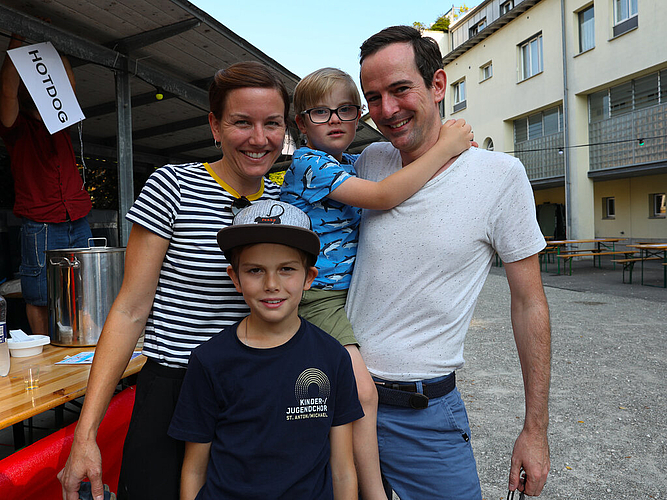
(532, 334)
(9, 86)
(193, 473)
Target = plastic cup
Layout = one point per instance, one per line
(31, 378)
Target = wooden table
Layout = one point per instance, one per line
(58, 384)
(653, 249)
(600, 244)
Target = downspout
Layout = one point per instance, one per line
(566, 128)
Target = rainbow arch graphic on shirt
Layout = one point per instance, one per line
(309, 377)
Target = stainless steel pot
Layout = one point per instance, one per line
(82, 285)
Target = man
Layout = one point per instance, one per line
(49, 194)
(418, 274)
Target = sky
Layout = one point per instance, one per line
(305, 36)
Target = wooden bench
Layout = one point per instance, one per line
(546, 256)
(567, 257)
(629, 264)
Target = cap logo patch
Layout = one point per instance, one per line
(271, 218)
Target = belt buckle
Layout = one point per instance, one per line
(418, 401)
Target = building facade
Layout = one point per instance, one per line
(577, 89)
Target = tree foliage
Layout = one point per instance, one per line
(440, 24)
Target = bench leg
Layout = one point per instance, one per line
(628, 266)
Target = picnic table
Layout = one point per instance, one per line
(58, 384)
(603, 246)
(647, 251)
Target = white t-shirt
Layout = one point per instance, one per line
(421, 265)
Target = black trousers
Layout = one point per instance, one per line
(152, 461)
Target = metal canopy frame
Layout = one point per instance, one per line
(148, 46)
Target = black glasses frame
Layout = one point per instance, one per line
(331, 112)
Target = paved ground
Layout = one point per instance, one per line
(608, 430)
(608, 394)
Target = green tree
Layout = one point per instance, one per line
(440, 24)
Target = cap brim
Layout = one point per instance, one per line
(251, 234)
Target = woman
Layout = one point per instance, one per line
(175, 282)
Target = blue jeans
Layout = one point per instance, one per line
(36, 239)
(427, 453)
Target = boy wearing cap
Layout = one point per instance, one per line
(267, 405)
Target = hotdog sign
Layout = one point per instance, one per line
(44, 75)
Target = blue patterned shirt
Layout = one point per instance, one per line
(311, 177)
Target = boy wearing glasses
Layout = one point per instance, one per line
(322, 182)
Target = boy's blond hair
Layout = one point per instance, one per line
(317, 85)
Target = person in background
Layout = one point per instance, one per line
(322, 182)
(419, 270)
(175, 283)
(50, 196)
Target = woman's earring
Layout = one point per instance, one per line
(217, 144)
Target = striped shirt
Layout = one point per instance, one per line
(195, 299)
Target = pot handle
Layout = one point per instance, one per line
(65, 262)
(94, 239)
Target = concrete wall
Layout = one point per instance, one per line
(632, 208)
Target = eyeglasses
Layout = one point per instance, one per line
(239, 204)
(346, 113)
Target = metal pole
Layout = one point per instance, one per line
(566, 129)
(124, 146)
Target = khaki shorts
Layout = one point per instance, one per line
(326, 309)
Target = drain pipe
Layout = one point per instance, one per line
(566, 129)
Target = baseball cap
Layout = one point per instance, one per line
(270, 221)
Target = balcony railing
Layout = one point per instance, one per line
(617, 139)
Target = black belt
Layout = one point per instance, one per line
(405, 394)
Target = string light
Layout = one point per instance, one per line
(641, 141)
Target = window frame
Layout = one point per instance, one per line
(541, 114)
(528, 51)
(608, 207)
(581, 23)
(654, 211)
(628, 23)
(504, 7)
(458, 91)
(476, 28)
(483, 76)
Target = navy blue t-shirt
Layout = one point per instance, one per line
(268, 413)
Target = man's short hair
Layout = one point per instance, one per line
(316, 86)
(428, 58)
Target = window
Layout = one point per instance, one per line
(505, 7)
(621, 99)
(598, 106)
(477, 28)
(646, 91)
(608, 208)
(488, 144)
(540, 124)
(640, 93)
(625, 16)
(658, 208)
(459, 92)
(486, 72)
(531, 57)
(624, 9)
(586, 29)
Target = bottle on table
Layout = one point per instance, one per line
(4, 346)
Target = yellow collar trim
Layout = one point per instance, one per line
(231, 190)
